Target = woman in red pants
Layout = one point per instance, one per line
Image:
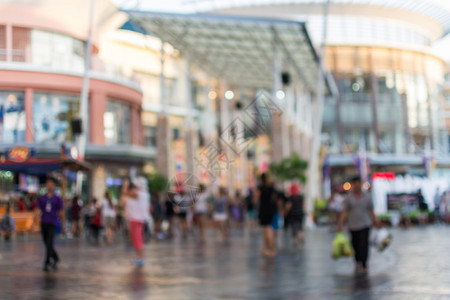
(137, 199)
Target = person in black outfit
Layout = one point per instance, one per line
(170, 213)
(295, 212)
(266, 197)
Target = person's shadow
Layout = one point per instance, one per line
(50, 281)
(138, 285)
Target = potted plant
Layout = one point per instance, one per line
(385, 219)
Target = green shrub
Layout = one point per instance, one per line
(384, 217)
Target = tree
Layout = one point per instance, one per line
(157, 183)
(290, 168)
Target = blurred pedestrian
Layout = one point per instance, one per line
(6, 223)
(200, 211)
(251, 208)
(137, 203)
(236, 210)
(220, 215)
(423, 208)
(335, 206)
(169, 213)
(295, 210)
(278, 217)
(68, 212)
(108, 209)
(22, 206)
(266, 198)
(120, 218)
(358, 208)
(50, 206)
(181, 208)
(437, 204)
(405, 210)
(158, 215)
(96, 220)
(75, 214)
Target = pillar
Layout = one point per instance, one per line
(277, 138)
(9, 42)
(191, 135)
(163, 139)
(98, 176)
(135, 126)
(376, 127)
(277, 118)
(163, 132)
(97, 108)
(29, 132)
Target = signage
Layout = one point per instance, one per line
(19, 154)
(74, 152)
(383, 175)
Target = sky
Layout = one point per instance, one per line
(441, 47)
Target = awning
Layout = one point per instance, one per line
(237, 49)
(43, 166)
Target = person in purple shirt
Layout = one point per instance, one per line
(50, 206)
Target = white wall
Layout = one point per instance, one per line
(381, 188)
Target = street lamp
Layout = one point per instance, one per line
(229, 95)
(280, 95)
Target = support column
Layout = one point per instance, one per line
(9, 42)
(29, 132)
(299, 120)
(288, 117)
(225, 120)
(409, 140)
(191, 136)
(135, 126)
(97, 108)
(376, 127)
(277, 119)
(163, 132)
(98, 181)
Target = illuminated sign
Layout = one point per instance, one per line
(19, 154)
(383, 175)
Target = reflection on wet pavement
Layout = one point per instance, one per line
(416, 266)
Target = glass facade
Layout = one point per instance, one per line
(43, 48)
(116, 121)
(389, 100)
(52, 115)
(12, 117)
(150, 136)
(56, 50)
(151, 88)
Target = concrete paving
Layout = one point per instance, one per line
(416, 266)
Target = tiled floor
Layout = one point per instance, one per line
(416, 266)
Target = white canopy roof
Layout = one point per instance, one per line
(237, 49)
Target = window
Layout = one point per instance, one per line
(2, 42)
(56, 50)
(52, 116)
(12, 117)
(116, 121)
(21, 44)
(150, 136)
(175, 133)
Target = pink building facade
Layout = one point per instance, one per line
(41, 69)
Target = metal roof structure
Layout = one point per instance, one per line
(239, 50)
(438, 10)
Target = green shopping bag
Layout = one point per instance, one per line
(341, 246)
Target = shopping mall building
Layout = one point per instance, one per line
(150, 108)
(390, 105)
(158, 84)
(42, 50)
